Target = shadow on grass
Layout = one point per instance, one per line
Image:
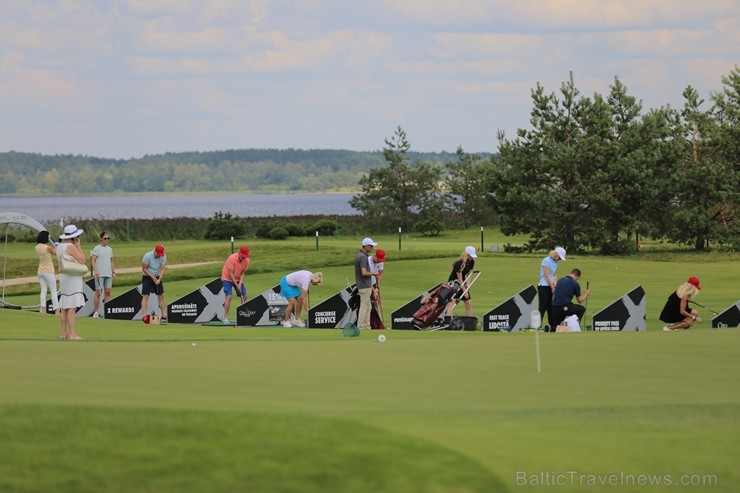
(79, 449)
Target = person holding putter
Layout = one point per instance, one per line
(676, 311)
(232, 275)
(153, 265)
(546, 284)
(294, 287)
(562, 301)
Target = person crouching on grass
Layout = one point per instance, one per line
(294, 287)
(232, 276)
(562, 299)
(676, 311)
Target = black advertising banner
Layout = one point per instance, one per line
(206, 304)
(625, 314)
(730, 317)
(128, 305)
(336, 312)
(266, 309)
(513, 314)
(403, 317)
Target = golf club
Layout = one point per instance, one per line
(705, 307)
(585, 306)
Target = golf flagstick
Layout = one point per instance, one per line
(534, 320)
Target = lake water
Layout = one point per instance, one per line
(54, 209)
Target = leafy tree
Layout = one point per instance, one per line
(699, 197)
(582, 175)
(397, 194)
(726, 222)
(467, 189)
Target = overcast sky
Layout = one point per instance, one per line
(125, 78)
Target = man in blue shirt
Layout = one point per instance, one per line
(562, 304)
(152, 267)
(546, 284)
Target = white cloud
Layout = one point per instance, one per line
(153, 71)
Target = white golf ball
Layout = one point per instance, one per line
(193, 344)
(381, 338)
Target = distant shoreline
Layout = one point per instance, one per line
(176, 194)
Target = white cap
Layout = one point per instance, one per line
(470, 250)
(368, 241)
(561, 252)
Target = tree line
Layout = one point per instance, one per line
(591, 173)
(247, 170)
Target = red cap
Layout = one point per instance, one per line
(159, 249)
(695, 282)
(380, 255)
(244, 251)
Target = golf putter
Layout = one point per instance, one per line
(705, 307)
(585, 310)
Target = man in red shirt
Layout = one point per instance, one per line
(232, 276)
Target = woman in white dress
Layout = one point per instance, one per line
(70, 287)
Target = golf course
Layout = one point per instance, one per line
(181, 408)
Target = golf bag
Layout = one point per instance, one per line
(433, 304)
(376, 323)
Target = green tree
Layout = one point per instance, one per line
(726, 226)
(401, 193)
(699, 199)
(582, 175)
(466, 187)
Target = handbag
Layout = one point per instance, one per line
(70, 266)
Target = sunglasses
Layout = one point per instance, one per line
(106, 237)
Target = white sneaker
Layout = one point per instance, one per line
(665, 328)
(298, 323)
(96, 315)
(287, 324)
(226, 321)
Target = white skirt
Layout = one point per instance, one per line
(70, 291)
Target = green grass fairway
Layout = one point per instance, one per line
(137, 408)
(178, 408)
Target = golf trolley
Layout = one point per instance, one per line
(430, 316)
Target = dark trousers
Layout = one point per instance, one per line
(544, 293)
(560, 312)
